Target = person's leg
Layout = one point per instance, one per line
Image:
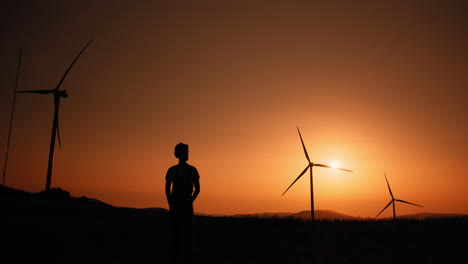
(173, 237)
(177, 237)
(188, 238)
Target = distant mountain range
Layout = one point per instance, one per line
(304, 215)
(331, 215)
(11, 197)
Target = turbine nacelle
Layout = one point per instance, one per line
(62, 93)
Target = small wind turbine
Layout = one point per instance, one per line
(7, 150)
(55, 127)
(309, 166)
(394, 200)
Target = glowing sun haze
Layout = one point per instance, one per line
(374, 87)
(335, 164)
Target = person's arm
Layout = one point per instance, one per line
(196, 183)
(168, 192)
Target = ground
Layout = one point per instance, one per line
(79, 230)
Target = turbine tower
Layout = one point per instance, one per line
(55, 128)
(310, 166)
(7, 150)
(394, 200)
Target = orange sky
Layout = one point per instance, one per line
(377, 87)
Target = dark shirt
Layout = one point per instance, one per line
(182, 178)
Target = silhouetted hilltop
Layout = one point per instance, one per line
(55, 198)
(19, 198)
(157, 209)
(7, 192)
(58, 228)
(265, 215)
(303, 215)
(55, 227)
(57, 202)
(331, 215)
(324, 215)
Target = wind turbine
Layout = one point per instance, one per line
(7, 150)
(310, 166)
(394, 200)
(55, 127)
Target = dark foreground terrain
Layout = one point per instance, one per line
(41, 229)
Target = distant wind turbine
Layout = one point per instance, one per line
(55, 127)
(394, 200)
(309, 166)
(7, 150)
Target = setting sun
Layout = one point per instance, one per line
(335, 164)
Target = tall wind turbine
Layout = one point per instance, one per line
(55, 128)
(7, 150)
(310, 166)
(394, 200)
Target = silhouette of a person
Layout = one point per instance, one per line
(182, 188)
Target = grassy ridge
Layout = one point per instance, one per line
(75, 230)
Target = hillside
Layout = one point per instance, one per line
(331, 215)
(43, 229)
(14, 198)
(303, 215)
(324, 215)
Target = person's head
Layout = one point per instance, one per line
(181, 151)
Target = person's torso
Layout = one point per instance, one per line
(182, 182)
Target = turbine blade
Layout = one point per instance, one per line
(300, 175)
(408, 202)
(389, 189)
(7, 150)
(303, 146)
(71, 65)
(385, 208)
(37, 91)
(322, 165)
(327, 166)
(19, 68)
